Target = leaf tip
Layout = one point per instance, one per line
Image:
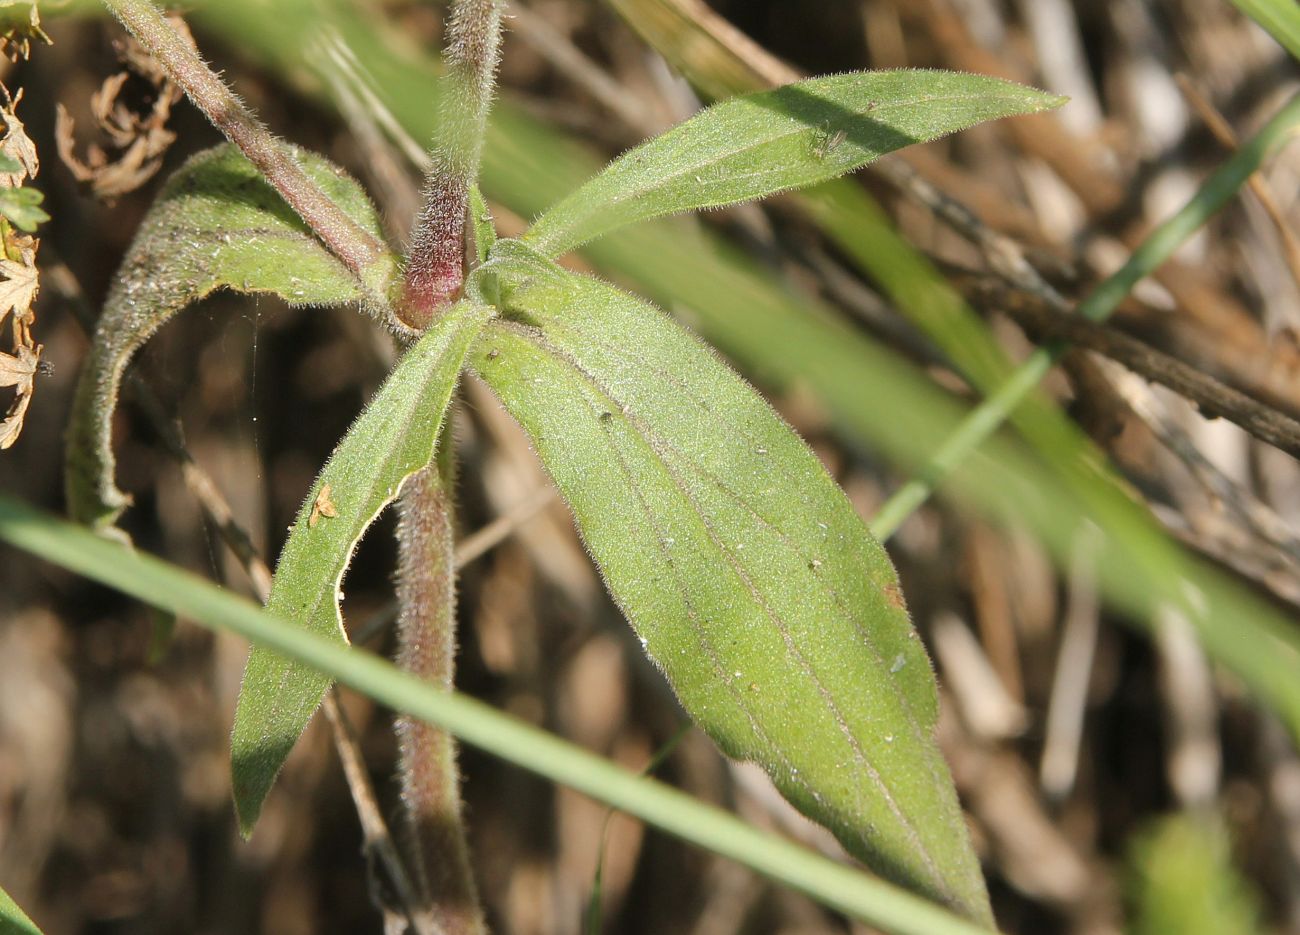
(1054, 101)
(247, 791)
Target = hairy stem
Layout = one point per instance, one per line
(430, 781)
(360, 252)
(435, 269)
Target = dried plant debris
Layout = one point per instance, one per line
(19, 214)
(19, 25)
(135, 142)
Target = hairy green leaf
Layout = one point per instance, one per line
(760, 144)
(13, 921)
(481, 224)
(394, 438)
(217, 224)
(739, 562)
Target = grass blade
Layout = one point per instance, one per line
(13, 921)
(155, 582)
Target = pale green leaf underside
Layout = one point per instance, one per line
(395, 437)
(739, 562)
(13, 921)
(217, 224)
(760, 144)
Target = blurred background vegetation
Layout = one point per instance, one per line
(1119, 773)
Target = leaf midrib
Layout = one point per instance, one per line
(781, 471)
(541, 242)
(644, 434)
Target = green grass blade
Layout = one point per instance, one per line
(148, 579)
(773, 141)
(1280, 17)
(395, 437)
(216, 225)
(13, 921)
(1221, 187)
(751, 581)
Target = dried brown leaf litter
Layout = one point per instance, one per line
(20, 357)
(134, 143)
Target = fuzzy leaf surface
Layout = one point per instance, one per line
(395, 437)
(216, 225)
(792, 137)
(744, 570)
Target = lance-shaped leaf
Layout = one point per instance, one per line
(395, 437)
(217, 224)
(760, 144)
(747, 575)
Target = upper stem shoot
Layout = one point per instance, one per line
(435, 269)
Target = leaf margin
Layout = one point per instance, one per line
(800, 150)
(314, 561)
(123, 328)
(704, 687)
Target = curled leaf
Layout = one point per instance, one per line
(136, 142)
(216, 225)
(744, 570)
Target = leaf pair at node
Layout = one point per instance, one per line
(749, 578)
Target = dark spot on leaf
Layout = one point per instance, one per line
(606, 416)
(494, 353)
(894, 594)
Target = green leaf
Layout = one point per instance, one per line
(217, 224)
(13, 921)
(22, 207)
(395, 437)
(760, 144)
(481, 224)
(1280, 17)
(1181, 880)
(741, 565)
